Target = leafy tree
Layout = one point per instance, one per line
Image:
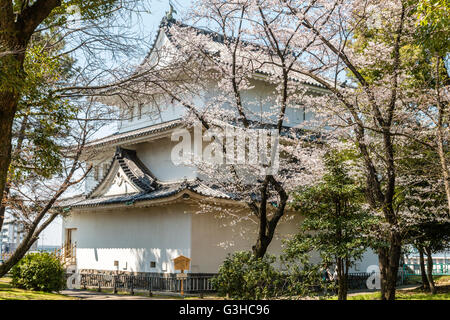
(86, 25)
(336, 224)
(41, 169)
(422, 200)
(245, 276)
(433, 237)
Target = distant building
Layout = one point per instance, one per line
(442, 257)
(47, 248)
(12, 235)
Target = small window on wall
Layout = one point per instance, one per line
(152, 264)
(131, 113)
(116, 263)
(105, 169)
(96, 173)
(140, 106)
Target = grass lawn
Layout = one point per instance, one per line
(437, 279)
(443, 293)
(7, 292)
(442, 288)
(407, 295)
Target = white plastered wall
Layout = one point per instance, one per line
(132, 236)
(137, 236)
(214, 236)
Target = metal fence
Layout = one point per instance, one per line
(195, 283)
(358, 280)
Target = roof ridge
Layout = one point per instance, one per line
(164, 192)
(126, 154)
(154, 128)
(219, 38)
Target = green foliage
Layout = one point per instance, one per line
(86, 9)
(242, 276)
(40, 272)
(42, 119)
(335, 225)
(302, 278)
(434, 13)
(425, 40)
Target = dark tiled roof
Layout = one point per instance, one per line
(219, 39)
(139, 175)
(134, 169)
(163, 191)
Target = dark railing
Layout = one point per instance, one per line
(195, 283)
(358, 280)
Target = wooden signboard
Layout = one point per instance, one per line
(181, 263)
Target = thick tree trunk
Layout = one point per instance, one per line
(11, 76)
(382, 262)
(267, 226)
(430, 270)
(423, 273)
(260, 248)
(342, 280)
(343, 287)
(389, 260)
(16, 29)
(266, 233)
(8, 106)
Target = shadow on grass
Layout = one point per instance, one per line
(7, 292)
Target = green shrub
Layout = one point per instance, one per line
(38, 271)
(242, 276)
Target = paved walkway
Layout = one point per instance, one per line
(92, 295)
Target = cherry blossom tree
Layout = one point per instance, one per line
(363, 42)
(348, 62)
(217, 75)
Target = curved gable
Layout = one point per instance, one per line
(126, 175)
